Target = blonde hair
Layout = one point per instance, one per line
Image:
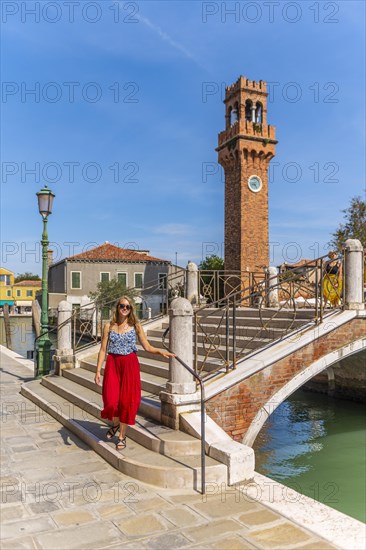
(131, 319)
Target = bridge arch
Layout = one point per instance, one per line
(296, 382)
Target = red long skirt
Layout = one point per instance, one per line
(121, 390)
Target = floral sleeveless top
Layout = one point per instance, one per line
(122, 344)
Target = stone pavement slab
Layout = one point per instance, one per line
(56, 493)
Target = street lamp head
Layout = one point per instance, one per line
(45, 201)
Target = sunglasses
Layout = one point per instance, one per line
(124, 306)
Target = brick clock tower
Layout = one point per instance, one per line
(245, 149)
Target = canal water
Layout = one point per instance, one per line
(316, 445)
(312, 443)
(22, 334)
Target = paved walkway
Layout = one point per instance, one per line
(58, 494)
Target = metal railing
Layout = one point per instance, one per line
(203, 413)
(213, 285)
(275, 306)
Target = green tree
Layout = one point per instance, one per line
(212, 284)
(212, 262)
(27, 276)
(108, 292)
(354, 226)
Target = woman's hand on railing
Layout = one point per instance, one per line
(168, 354)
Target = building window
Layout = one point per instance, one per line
(122, 278)
(5, 279)
(75, 279)
(162, 280)
(19, 293)
(29, 293)
(138, 280)
(104, 277)
(8, 293)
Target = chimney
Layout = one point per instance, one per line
(49, 257)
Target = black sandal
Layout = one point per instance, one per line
(121, 444)
(112, 431)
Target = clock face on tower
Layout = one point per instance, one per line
(255, 183)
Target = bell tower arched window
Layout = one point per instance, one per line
(248, 110)
(235, 113)
(258, 112)
(229, 118)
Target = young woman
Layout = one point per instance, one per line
(121, 382)
(332, 280)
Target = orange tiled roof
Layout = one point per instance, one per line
(111, 253)
(29, 283)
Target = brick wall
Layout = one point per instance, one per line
(235, 408)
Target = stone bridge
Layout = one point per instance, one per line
(242, 401)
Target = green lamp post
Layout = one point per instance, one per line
(45, 201)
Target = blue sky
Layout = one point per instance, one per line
(127, 106)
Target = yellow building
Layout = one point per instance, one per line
(24, 293)
(6, 287)
(19, 296)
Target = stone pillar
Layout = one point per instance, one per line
(353, 275)
(180, 395)
(192, 283)
(180, 342)
(272, 282)
(64, 357)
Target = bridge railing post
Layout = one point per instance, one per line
(192, 283)
(181, 392)
(272, 275)
(353, 275)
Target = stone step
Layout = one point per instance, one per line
(274, 322)
(135, 461)
(247, 312)
(91, 364)
(155, 366)
(213, 317)
(249, 343)
(149, 366)
(244, 331)
(147, 432)
(149, 382)
(150, 402)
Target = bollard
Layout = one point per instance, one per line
(64, 357)
(192, 283)
(272, 282)
(353, 275)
